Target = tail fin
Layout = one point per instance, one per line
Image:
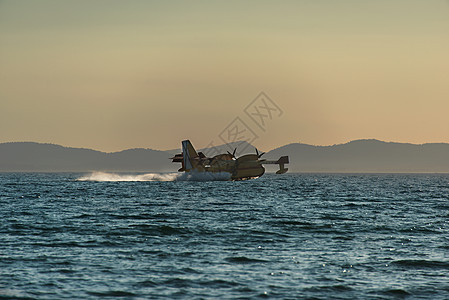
(188, 154)
(281, 161)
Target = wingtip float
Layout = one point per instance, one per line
(248, 166)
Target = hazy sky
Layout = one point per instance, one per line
(112, 75)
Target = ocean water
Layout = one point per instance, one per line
(316, 236)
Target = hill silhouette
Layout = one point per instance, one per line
(372, 156)
(360, 156)
(36, 157)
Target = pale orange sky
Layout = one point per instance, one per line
(112, 75)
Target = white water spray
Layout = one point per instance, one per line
(191, 176)
(204, 176)
(112, 177)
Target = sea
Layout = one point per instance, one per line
(158, 236)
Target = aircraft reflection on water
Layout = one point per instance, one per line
(248, 166)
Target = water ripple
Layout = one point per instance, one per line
(298, 236)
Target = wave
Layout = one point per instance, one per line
(191, 176)
(420, 264)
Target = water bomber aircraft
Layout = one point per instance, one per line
(248, 166)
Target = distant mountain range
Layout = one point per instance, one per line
(35, 157)
(367, 156)
(360, 156)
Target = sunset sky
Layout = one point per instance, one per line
(113, 75)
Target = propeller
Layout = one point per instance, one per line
(259, 155)
(233, 152)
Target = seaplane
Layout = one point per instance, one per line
(245, 167)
